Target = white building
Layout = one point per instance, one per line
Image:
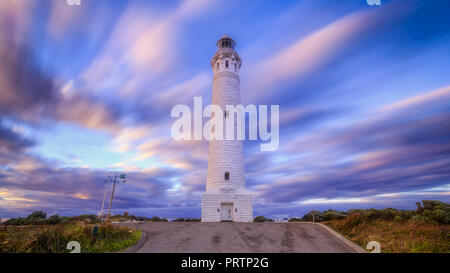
(280, 218)
(225, 198)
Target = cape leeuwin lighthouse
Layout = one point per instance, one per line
(225, 198)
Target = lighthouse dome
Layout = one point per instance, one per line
(226, 42)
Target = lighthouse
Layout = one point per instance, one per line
(226, 198)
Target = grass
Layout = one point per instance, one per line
(54, 239)
(395, 236)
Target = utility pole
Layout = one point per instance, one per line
(122, 176)
(104, 197)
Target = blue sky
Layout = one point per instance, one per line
(364, 95)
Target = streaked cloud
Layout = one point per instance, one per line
(87, 91)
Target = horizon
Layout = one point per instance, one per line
(273, 216)
(85, 91)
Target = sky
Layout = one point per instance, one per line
(87, 91)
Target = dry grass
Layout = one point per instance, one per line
(395, 236)
(53, 239)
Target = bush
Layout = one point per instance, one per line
(435, 205)
(333, 215)
(37, 215)
(156, 219)
(53, 220)
(89, 216)
(427, 213)
(315, 216)
(371, 215)
(388, 214)
(441, 216)
(419, 219)
(353, 220)
(10, 222)
(260, 219)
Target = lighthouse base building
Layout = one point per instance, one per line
(227, 206)
(226, 198)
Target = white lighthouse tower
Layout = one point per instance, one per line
(225, 198)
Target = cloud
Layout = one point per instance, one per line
(143, 47)
(30, 183)
(427, 99)
(184, 92)
(88, 112)
(393, 151)
(64, 17)
(130, 135)
(138, 60)
(310, 65)
(24, 89)
(307, 54)
(29, 93)
(335, 201)
(11, 140)
(182, 154)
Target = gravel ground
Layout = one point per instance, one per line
(228, 237)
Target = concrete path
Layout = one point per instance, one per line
(166, 237)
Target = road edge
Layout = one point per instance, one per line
(138, 245)
(346, 241)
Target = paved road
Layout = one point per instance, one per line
(230, 237)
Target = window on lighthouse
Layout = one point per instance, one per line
(217, 65)
(227, 176)
(226, 63)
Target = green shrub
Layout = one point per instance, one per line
(37, 215)
(441, 216)
(53, 220)
(260, 219)
(427, 213)
(333, 215)
(419, 218)
(388, 214)
(156, 219)
(434, 205)
(315, 216)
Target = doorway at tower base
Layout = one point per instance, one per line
(218, 207)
